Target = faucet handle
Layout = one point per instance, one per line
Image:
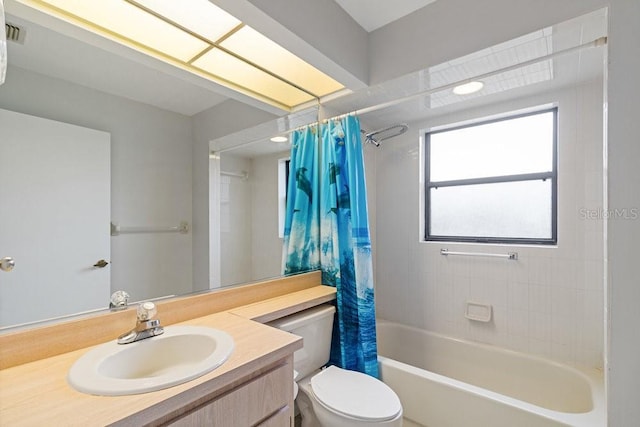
(119, 300)
(146, 311)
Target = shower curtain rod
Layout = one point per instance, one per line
(601, 41)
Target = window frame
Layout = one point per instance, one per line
(283, 185)
(553, 175)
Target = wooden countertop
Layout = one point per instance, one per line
(37, 393)
(281, 306)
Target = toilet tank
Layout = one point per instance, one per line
(315, 326)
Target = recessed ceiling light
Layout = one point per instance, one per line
(279, 139)
(468, 88)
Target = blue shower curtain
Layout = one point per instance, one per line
(302, 224)
(345, 255)
(326, 227)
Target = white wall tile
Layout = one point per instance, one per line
(518, 323)
(539, 299)
(563, 301)
(540, 270)
(498, 293)
(563, 272)
(518, 271)
(550, 301)
(562, 351)
(540, 326)
(518, 296)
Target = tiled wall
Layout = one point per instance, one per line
(550, 301)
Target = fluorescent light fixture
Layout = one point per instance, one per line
(202, 38)
(198, 16)
(259, 50)
(120, 18)
(468, 88)
(279, 139)
(236, 71)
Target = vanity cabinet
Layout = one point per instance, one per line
(265, 401)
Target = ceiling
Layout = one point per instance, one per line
(517, 81)
(373, 14)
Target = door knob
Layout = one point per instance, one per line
(101, 264)
(7, 263)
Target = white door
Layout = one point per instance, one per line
(54, 218)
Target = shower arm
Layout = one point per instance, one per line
(373, 138)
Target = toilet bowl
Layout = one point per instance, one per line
(338, 397)
(332, 396)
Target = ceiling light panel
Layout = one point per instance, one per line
(238, 72)
(198, 16)
(124, 19)
(259, 50)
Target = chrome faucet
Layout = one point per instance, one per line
(146, 326)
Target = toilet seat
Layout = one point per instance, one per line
(355, 395)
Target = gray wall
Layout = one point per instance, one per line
(151, 175)
(624, 234)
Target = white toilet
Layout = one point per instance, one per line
(334, 397)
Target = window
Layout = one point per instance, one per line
(283, 185)
(494, 181)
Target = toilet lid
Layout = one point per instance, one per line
(355, 394)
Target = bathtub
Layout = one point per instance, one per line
(442, 382)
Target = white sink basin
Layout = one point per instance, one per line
(179, 355)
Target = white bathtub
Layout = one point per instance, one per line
(442, 381)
